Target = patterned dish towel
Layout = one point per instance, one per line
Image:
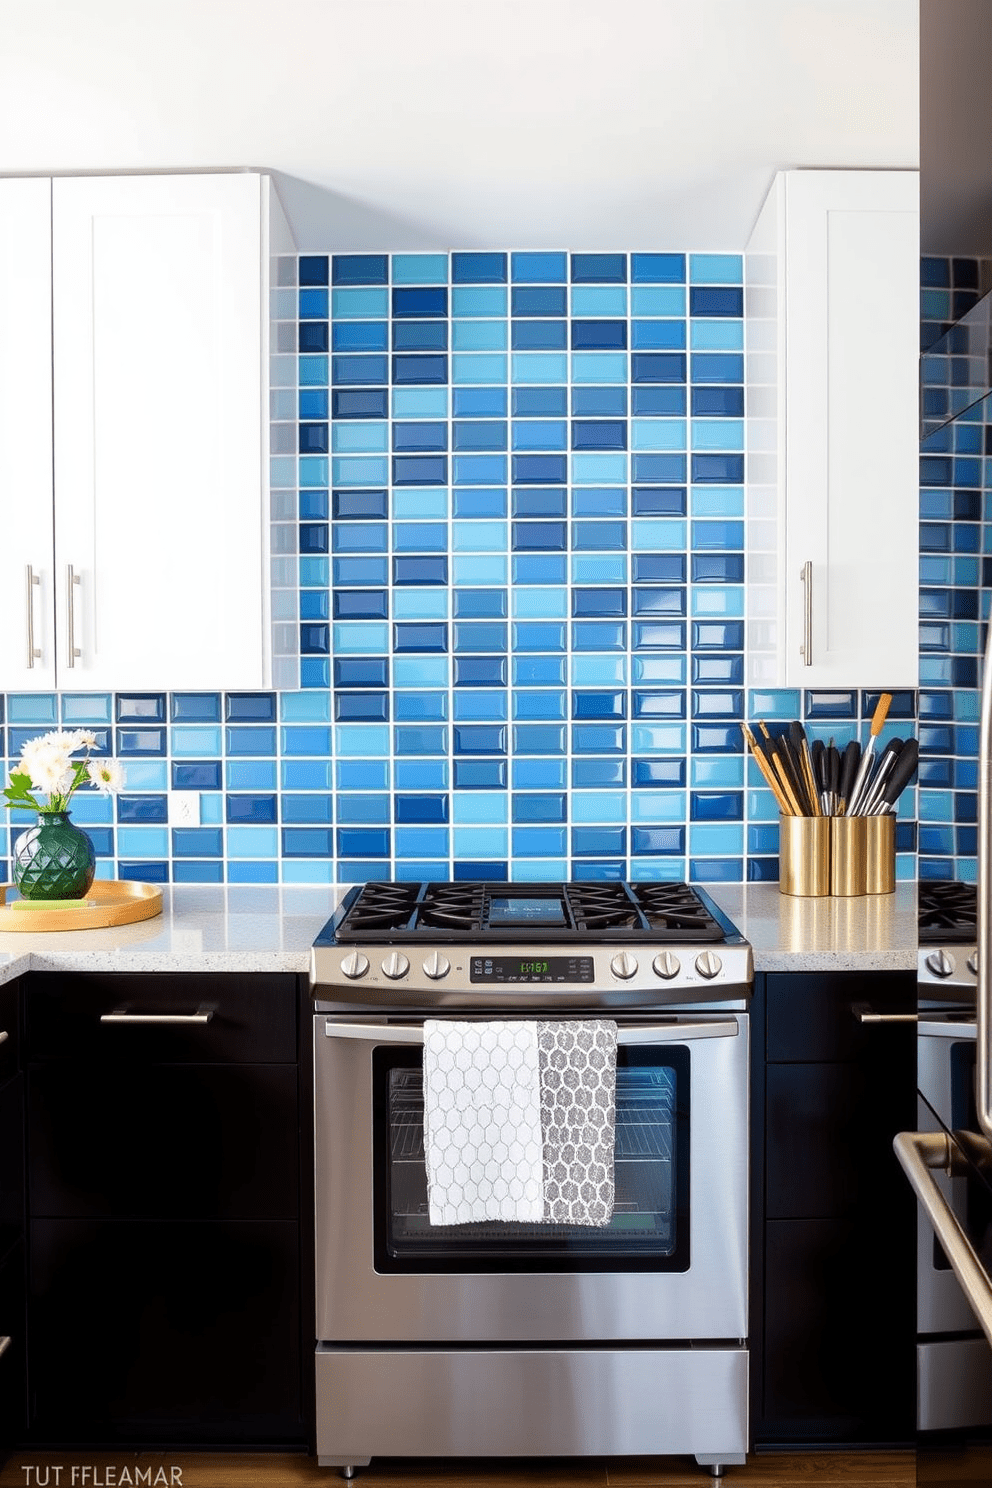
(519, 1121)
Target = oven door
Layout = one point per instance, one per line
(671, 1265)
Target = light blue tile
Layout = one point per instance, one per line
(717, 335)
(657, 434)
(659, 670)
(599, 299)
(195, 743)
(597, 806)
(539, 367)
(417, 842)
(777, 702)
(314, 371)
(539, 604)
(481, 842)
(716, 268)
(81, 708)
(33, 707)
(360, 304)
(716, 839)
(356, 470)
(479, 335)
(479, 470)
(420, 402)
(359, 436)
(531, 842)
(357, 639)
(761, 805)
(540, 434)
(665, 535)
(718, 434)
(420, 604)
(599, 671)
(478, 367)
(599, 568)
(476, 571)
(89, 808)
(477, 300)
(657, 300)
(419, 268)
(658, 738)
(309, 871)
(425, 502)
(721, 771)
(662, 870)
(658, 806)
(142, 842)
(420, 671)
(147, 775)
(599, 366)
(420, 537)
(315, 573)
(478, 537)
(599, 470)
(718, 599)
(717, 501)
(366, 741)
(211, 808)
(539, 870)
(253, 842)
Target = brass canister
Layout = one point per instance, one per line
(848, 855)
(804, 855)
(880, 854)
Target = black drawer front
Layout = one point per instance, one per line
(13, 1383)
(810, 1015)
(9, 1003)
(252, 1017)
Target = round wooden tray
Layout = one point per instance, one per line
(108, 902)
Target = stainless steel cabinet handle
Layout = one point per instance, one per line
(71, 580)
(865, 1013)
(660, 1033)
(919, 1152)
(4, 1035)
(34, 652)
(121, 1015)
(806, 649)
(983, 1093)
(4, 1344)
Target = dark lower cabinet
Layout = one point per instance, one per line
(164, 1174)
(836, 1290)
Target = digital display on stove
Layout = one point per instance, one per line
(531, 969)
(521, 911)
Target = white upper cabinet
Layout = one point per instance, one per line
(832, 325)
(159, 561)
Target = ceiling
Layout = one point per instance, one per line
(400, 124)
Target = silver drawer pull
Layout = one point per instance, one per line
(864, 1013)
(121, 1015)
(4, 1344)
(4, 1035)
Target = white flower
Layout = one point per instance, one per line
(107, 775)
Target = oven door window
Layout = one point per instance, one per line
(650, 1226)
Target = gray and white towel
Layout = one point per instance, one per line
(519, 1121)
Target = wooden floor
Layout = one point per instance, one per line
(263, 1470)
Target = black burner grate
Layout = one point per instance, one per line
(595, 911)
(947, 912)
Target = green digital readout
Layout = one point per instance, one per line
(513, 969)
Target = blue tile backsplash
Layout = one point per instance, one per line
(521, 565)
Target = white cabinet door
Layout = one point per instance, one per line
(833, 335)
(160, 556)
(27, 650)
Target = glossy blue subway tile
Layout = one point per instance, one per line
(539, 335)
(144, 707)
(250, 740)
(313, 337)
(420, 570)
(141, 809)
(539, 402)
(599, 335)
(357, 268)
(547, 302)
(479, 774)
(657, 268)
(357, 335)
(313, 268)
(479, 434)
(599, 268)
(361, 707)
(142, 871)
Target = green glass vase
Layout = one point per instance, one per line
(54, 860)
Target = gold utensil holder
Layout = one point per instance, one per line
(804, 855)
(848, 855)
(880, 854)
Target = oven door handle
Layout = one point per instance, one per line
(655, 1033)
(919, 1153)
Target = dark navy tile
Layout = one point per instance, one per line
(420, 303)
(599, 704)
(478, 268)
(903, 704)
(358, 506)
(599, 268)
(361, 671)
(420, 370)
(718, 402)
(540, 402)
(420, 335)
(718, 806)
(359, 371)
(141, 809)
(420, 570)
(652, 366)
(359, 268)
(198, 775)
(352, 842)
(599, 434)
(347, 403)
(587, 603)
(315, 640)
(660, 601)
(139, 741)
(935, 273)
(722, 469)
(659, 501)
(312, 336)
(487, 872)
(480, 671)
(314, 537)
(659, 568)
(195, 707)
(143, 872)
(722, 299)
(539, 469)
(539, 335)
(421, 809)
(249, 809)
(420, 470)
(551, 501)
(599, 335)
(361, 707)
(250, 707)
(141, 707)
(539, 536)
(936, 470)
(479, 774)
(718, 568)
(663, 841)
(830, 705)
(361, 604)
(659, 400)
(313, 268)
(545, 303)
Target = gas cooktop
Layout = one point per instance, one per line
(947, 913)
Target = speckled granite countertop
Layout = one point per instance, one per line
(271, 929)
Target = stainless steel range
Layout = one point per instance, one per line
(533, 1339)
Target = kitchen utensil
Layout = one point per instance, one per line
(800, 746)
(833, 776)
(875, 783)
(877, 721)
(817, 752)
(765, 766)
(900, 775)
(850, 761)
(789, 771)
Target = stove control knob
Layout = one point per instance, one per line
(940, 963)
(624, 965)
(666, 965)
(973, 963)
(436, 966)
(395, 965)
(708, 964)
(354, 965)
